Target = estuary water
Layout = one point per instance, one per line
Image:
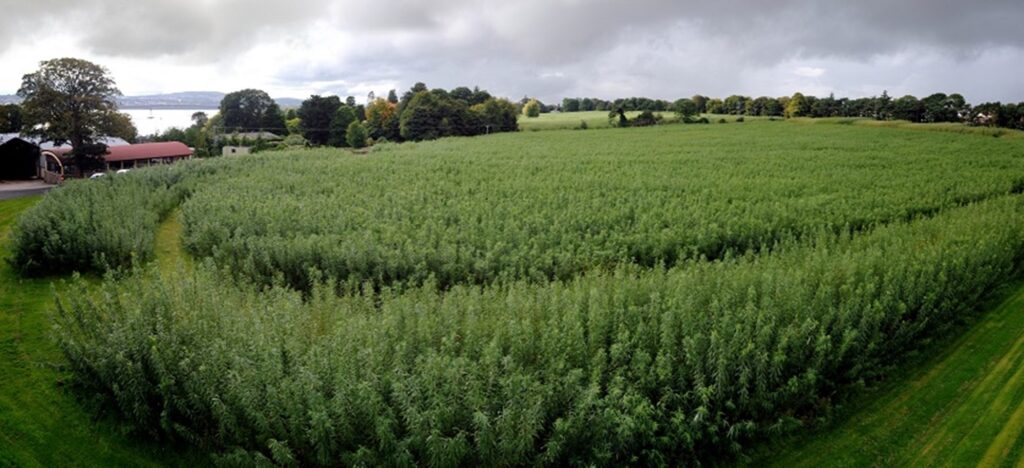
(153, 121)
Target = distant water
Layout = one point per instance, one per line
(153, 121)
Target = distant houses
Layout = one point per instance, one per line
(23, 157)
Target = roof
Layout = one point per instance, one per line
(253, 136)
(168, 149)
(109, 141)
(48, 145)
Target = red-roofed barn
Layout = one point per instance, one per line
(120, 157)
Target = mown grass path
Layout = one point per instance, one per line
(170, 254)
(41, 422)
(963, 407)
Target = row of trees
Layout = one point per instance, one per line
(626, 104)
(938, 107)
(420, 114)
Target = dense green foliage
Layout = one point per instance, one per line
(10, 118)
(355, 135)
(343, 117)
(634, 296)
(960, 404)
(631, 366)
(250, 110)
(551, 205)
(935, 108)
(99, 224)
(532, 108)
(73, 101)
(43, 424)
(315, 117)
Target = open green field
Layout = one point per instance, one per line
(599, 119)
(618, 296)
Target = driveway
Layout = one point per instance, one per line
(23, 188)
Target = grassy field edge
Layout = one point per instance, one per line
(42, 423)
(959, 402)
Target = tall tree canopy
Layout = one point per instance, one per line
(532, 108)
(343, 117)
(251, 110)
(797, 106)
(382, 120)
(72, 101)
(434, 114)
(496, 115)
(316, 114)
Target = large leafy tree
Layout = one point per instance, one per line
(496, 115)
(72, 101)
(251, 110)
(532, 108)
(685, 108)
(343, 117)
(316, 114)
(382, 119)
(797, 106)
(908, 108)
(434, 114)
(355, 135)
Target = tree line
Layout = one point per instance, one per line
(419, 114)
(938, 107)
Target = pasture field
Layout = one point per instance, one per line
(599, 119)
(572, 120)
(619, 296)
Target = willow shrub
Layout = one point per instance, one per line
(550, 205)
(639, 366)
(99, 224)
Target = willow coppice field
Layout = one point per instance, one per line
(635, 296)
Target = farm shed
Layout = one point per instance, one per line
(18, 158)
(146, 154)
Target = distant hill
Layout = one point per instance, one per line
(182, 100)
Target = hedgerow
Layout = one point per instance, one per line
(624, 366)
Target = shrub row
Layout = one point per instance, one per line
(628, 366)
(554, 204)
(99, 224)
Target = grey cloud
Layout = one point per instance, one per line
(542, 31)
(611, 46)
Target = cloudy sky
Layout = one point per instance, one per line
(543, 48)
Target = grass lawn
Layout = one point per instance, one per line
(42, 423)
(962, 407)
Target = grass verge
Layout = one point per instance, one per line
(962, 407)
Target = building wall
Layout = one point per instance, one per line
(236, 150)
